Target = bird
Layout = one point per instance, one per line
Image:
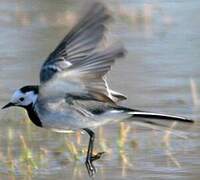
(73, 94)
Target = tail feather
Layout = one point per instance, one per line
(150, 115)
(152, 118)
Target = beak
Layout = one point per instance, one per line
(8, 105)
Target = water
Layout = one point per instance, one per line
(160, 73)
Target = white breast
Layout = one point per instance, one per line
(59, 116)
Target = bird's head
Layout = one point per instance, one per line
(23, 97)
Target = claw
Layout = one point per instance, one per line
(97, 156)
(90, 168)
(89, 165)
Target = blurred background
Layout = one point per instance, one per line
(161, 73)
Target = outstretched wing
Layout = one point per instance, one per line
(78, 43)
(85, 78)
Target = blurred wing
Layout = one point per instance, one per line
(78, 43)
(85, 78)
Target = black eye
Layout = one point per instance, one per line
(21, 99)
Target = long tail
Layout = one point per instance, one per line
(152, 115)
(155, 118)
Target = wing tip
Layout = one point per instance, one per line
(117, 96)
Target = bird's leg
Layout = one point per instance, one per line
(90, 157)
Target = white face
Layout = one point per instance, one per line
(23, 99)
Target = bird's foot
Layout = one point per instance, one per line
(89, 163)
(97, 156)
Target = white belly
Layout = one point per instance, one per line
(60, 117)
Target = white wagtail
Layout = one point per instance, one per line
(73, 94)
